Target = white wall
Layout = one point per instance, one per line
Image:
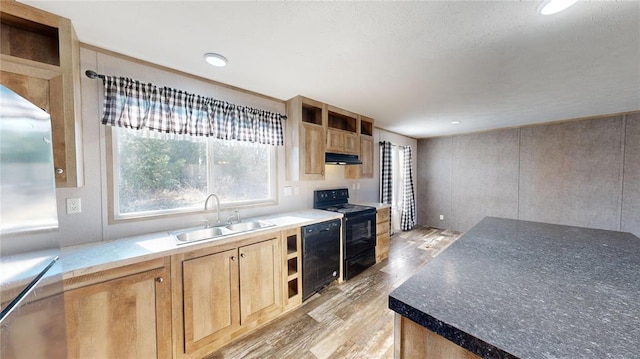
(92, 225)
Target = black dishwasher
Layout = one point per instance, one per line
(320, 256)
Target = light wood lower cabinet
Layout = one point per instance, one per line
(222, 292)
(383, 217)
(260, 284)
(120, 313)
(292, 268)
(210, 295)
(37, 328)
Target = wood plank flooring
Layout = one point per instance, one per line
(348, 320)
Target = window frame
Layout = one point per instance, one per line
(112, 170)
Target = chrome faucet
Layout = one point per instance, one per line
(206, 205)
(236, 216)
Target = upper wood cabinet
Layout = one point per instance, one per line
(222, 292)
(342, 131)
(40, 61)
(365, 170)
(305, 139)
(313, 128)
(120, 313)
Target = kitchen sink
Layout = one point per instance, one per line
(248, 226)
(200, 234)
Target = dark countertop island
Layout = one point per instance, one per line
(518, 289)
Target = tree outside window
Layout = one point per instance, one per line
(160, 175)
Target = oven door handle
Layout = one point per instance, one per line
(359, 216)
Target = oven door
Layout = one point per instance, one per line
(360, 233)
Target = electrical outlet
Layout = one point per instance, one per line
(74, 205)
(442, 217)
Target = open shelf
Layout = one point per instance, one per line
(366, 126)
(342, 122)
(292, 266)
(30, 40)
(293, 288)
(292, 244)
(311, 114)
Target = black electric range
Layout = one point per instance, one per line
(358, 228)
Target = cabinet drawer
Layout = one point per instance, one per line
(382, 228)
(382, 247)
(383, 215)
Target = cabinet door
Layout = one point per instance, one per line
(210, 298)
(313, 149)
(335, 141)
(37, 43)
(366, 156)
(127, 317)
(35, 330)
(259, 281)
(43, 91)
(351, 144)
(382, 233)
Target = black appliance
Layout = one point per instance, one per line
(341, 159)
(358, 228)
(320, 256)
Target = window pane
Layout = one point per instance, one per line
(241, 171)
(159, 174)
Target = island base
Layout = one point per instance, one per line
(411, 340)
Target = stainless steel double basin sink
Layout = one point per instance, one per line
(201, 234)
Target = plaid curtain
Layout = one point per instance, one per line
(408, 217)
(385, 172)
(131, 104)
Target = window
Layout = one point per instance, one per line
(156, 175)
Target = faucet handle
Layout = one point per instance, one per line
(235, 216)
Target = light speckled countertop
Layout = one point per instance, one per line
(90, 258)
(519, 289)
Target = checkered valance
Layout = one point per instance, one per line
(131, 104)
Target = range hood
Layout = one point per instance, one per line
(341, 159)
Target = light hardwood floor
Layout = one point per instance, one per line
(348, 320)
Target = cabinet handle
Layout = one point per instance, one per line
(59, 171)
(233, 258)
(159, 279)
(242, 255)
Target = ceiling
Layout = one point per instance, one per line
(412, 66)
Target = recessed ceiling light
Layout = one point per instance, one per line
(215, 59)
(455, 122)
(549, 7)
